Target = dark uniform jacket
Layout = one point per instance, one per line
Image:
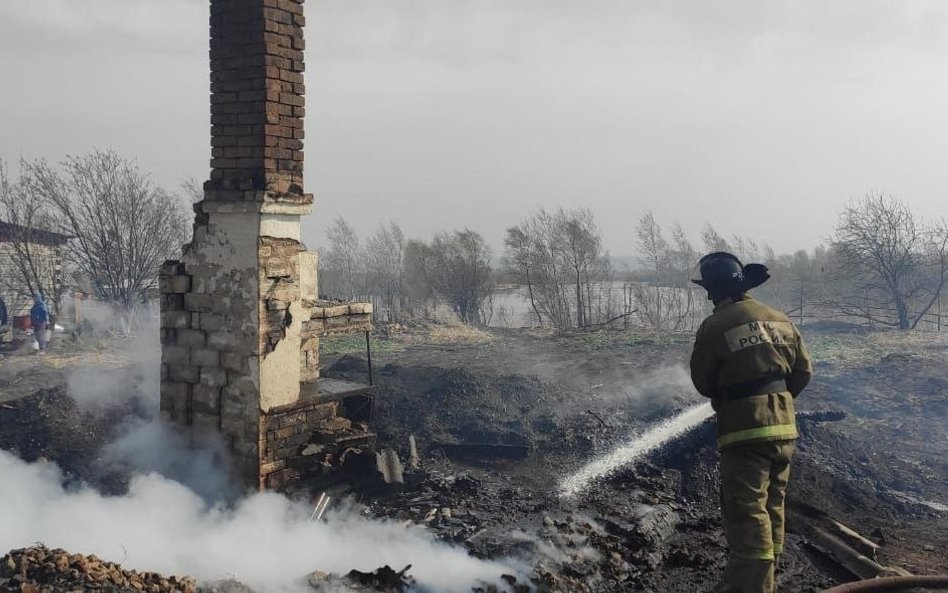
(750, 360)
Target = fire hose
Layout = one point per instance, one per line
(934, 582)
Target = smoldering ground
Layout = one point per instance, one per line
(178, 513)
(265, 540)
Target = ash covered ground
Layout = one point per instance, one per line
(502, 418)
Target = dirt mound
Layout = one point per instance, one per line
(452, 405)
(50, 426)
(41, 570)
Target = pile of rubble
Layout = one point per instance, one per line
(41, 570)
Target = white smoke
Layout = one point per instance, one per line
(126, 371)
(265, 540)
(145, 447)
(663, 386)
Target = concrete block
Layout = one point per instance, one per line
(212, 322)
(175, 355)
(182, 406)
(205, 399)
(227, 340)
(205, 357)
(337, 311)
(202, 279)
(215, 377)
(184, 373)
(175, 319)
(169, 302)
(199, 302)
(336, 322)
(234, 361)
(192, 338)
(208, 424)
(170, 391)
(168, 337)
(174, 284)
(360, 308)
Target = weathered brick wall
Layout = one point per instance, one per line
(285, 434)
(257, 103)
(339, 318)
(279, 288)
(177, 375)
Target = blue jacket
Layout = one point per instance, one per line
(39, 313)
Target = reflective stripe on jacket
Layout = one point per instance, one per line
(742, 342)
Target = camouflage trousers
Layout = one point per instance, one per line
(753, 487)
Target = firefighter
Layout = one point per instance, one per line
(750, 360)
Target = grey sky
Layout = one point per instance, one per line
(764, 117)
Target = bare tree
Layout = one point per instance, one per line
(519, 262)
(192, 190)
(559, 258)
(892, 257)
(384, 266)
(33, 264)
(713, 241)
(663, 297)
(461, 274)
(344, 260)
(420, 261)
(124, 226)
(582, 248)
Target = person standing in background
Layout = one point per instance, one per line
(39, 318)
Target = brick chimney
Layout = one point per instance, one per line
(233, 307)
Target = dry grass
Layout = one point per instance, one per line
(868, 347)
(444, 333)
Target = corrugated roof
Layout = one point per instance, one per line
(8, 231)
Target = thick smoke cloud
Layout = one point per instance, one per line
(265, 540)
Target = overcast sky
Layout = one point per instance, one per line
(763, 117)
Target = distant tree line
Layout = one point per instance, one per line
(405, 278)
(557, 257)
(885, 265)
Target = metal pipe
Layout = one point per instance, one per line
(368, 353)
(933, 582)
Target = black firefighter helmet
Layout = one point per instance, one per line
(722, 274)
